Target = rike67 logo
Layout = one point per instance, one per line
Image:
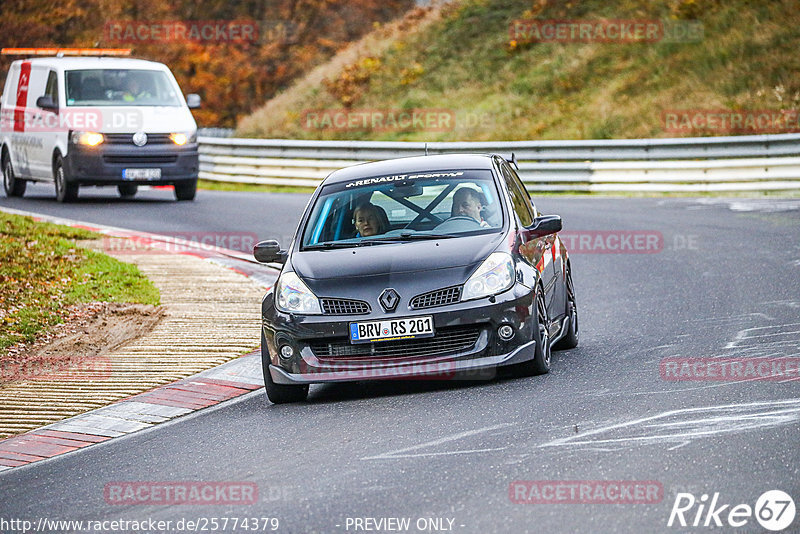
(774, 510)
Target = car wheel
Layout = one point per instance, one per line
(281, 393)
(14, 187)
(127, 190)
(570, 339)
(65, 191)
(186, 191)
(540, 363)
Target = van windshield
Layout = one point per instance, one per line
(120, 87)
(404, 207)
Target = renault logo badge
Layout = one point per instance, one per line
(389, 299)
(140, 139)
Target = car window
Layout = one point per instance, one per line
(51, 89)
(120, 87)
(408, 206)
(519, 197)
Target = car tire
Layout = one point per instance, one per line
(127, 190)
(186, 191)
(282, 393)
(13, 186)
(540, 363)
(571, 338)
(279, 393)
(65, 191)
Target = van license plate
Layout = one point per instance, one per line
(392, 329)
(141, 174)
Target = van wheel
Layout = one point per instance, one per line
(186, 191)
(127, 190)
(14, 186)
(65, 191)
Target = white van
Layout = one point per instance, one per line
(101, 121)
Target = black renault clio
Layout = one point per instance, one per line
(421, 267)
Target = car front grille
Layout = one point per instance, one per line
(127, 139)
(344, 307)
(440, 297)
(446, 341)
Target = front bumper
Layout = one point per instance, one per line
(103, 164)
(309, 336)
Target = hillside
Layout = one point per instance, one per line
(462, 62)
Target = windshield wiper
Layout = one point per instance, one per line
(330, 245)
(341, 244)
(408, 236)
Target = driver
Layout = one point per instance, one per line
(468, 202)
(369, 220)
(135, 90)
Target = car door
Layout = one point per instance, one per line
(538, 251)
(37, 125)
(50, 126)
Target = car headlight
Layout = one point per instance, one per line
(495, 275)
(87, 138)
(181, 138)
(293, 296)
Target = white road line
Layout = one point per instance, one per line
(399, 453)
(739, 420)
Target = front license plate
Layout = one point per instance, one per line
(391, 329)
(141, 174)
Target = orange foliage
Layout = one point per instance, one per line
(233, 78)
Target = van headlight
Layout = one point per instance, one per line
(293, 296)
(495, 275)
(181, 138)
(87, 138)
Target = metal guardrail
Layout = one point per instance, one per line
(740, 163)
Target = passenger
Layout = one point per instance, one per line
(370, 220)
(468, 202)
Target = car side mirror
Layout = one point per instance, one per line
(46, 102)
(545, 225)
(193, 100)
(269, 251)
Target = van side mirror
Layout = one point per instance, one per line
(269, 251)
(193, 100)
(545, 225)
(46, 102)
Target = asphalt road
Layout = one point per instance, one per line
(724, 283)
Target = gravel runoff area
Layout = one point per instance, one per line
(210, 316)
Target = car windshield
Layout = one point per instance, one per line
(404, 207)
(120, 87)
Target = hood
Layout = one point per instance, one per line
(395, 258)
(150, 119)
(410, 268)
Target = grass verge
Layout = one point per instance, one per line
(252, 188)
(43, 272)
